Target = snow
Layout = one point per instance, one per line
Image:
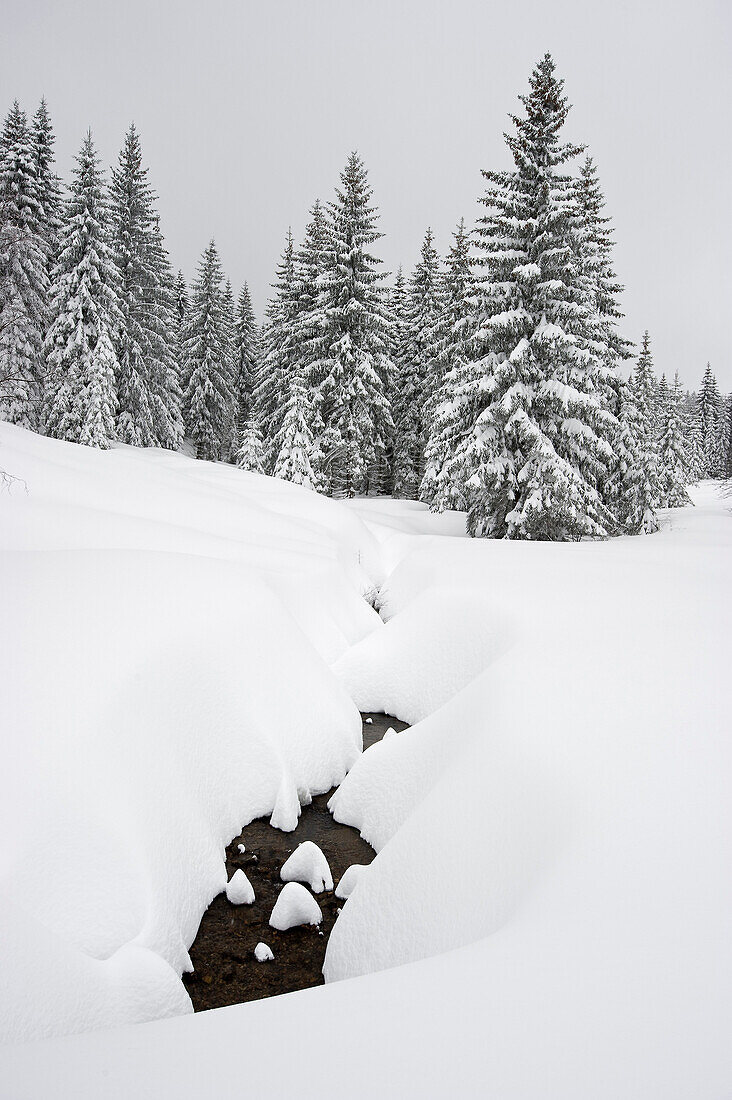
(439, 643)
(239, 889)
(263, 953)
(349, 880)
(308, 864)
(551, 889)
(166, 630)
(294, 906)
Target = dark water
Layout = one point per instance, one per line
(222, 954)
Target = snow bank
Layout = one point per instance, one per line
(294, 906)
(308, 864)
(566, 816)
(165, 624)
(575, 791)
(426, 654)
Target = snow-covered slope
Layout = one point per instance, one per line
(560, 810)
(164, 629)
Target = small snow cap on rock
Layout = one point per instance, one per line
(349, 880)
(262, 953)
(294, 906)
(242, 848)
(308, 864)
(239, 889)
(369, 721)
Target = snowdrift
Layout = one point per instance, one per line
(551, 891)
(164, 646)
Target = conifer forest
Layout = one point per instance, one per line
(498, 379)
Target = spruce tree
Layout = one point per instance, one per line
(279, 351)
(540, 445)
(644, 390)
(48, 184)
(454, 413)
(722, 438)
(396, 312)
(293, 444)
(250, 455)
(708, 406)
(80, 397)
(246, 358)
(633, 481)
(181, 305)
(23, 275)
(355, 363)
(208, 398)
(673, 457)
(148, 389)
(419, 377)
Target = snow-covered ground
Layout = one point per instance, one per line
(180, 641)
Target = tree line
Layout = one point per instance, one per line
(489, 382)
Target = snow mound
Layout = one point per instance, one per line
(263, 953)
(293, 907)
(350, 880)
(239, 889)
(425, 654)
(308, 864)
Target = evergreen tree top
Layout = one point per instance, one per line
(536, 142)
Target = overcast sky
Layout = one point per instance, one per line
(248, 110)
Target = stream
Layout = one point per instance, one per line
(225, 970)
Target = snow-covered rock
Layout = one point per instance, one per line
(242, 848)
(308, 864)
(350, 879)
(239, 889)
(293, 907)
(263, 953)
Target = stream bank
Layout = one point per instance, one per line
(225, 970)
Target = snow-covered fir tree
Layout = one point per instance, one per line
(708, 412)
(310, 260)
(232, 438)
(293, 444)
(355, 352)
(454, 412)
(644, 390)
(24, 253)
(396, 311)
(181, 304)
(48, 184)
(246, 352)
(633, 483)
(80, 396)
(418, 381)
(250, 455)
(209, 399)
(279, 351)
(722, 446)
(673, 460)
(694, 446)
(148, 391)
(539, 449)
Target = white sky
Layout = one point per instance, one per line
(248, 110)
